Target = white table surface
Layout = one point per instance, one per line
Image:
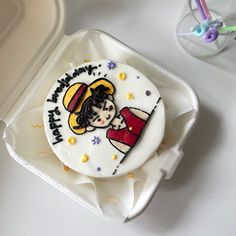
(200, 199)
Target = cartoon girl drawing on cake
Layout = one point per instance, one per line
(92, 107)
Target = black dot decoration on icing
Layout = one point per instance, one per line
(148, 93)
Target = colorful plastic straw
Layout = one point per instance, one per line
(227, 29)
(205, 9)
(207, 29)
(201, 11)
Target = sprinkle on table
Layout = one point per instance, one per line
(39, 126)
(86, 60)
(66, 168)
(131, 175)
(112, 199)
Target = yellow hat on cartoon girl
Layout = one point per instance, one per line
(75, 97)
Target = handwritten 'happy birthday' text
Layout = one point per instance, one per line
(64, 82)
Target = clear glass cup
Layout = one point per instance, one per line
(198, 46)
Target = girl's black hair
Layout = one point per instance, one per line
(98, 96)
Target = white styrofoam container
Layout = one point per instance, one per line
(33, 44)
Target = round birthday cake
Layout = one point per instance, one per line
(104, 118)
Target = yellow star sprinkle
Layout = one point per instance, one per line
(122, 76)
(130, 96)
(85, 158)
(71, 140)
(114, 157)
(131, 175)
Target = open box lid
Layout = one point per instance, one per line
(29, 31)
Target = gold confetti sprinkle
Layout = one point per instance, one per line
(131, 175)
(114, 157)
(111, 199)
(130, 96)
(122, 76)
(86, 60)
(66, 168)
(71, 140)
(130, 128)
(85, 158)
(37, 126)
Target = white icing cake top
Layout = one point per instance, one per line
(104, 119)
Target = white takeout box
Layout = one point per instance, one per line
(34, 52)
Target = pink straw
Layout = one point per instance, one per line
(205, 9)
(200, 9)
